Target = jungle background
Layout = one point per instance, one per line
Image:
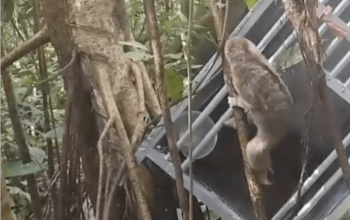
(46, 96)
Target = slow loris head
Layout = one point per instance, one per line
(239, 49)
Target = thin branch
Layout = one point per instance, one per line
(152, 102)
(107, 186)
(64, 158)
(54, 129)
(189, 94)
(114, 187)
(52, 183)
(152, 29)
(31, 44)
(140, 125)
(18, 31)
(101, 166)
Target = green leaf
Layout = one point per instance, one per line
(174, 83)
(134, 44)
(137, 55)
(22, 200)
(24, 182)
(16, 168)
(196, 66)
(59, 112)
(29, 10)
(51, 134)
(14, 190)
(27, 81)
(197, 26)
(183, 17)
(37, 154)
(28, 137)
(20, 91)
(28, 122)
(175, 56)
(250, 3)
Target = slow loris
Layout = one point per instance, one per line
(261, 90)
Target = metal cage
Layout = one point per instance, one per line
(266, 26)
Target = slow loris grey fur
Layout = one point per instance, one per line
(261, 90)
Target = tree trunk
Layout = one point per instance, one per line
(86, 36)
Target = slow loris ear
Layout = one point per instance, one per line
(252, 48)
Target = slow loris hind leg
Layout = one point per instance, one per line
(258, 156)
(257, 150)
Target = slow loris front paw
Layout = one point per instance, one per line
(235, 101)
(230, 122)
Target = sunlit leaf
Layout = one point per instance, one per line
(182, 17)
(137, 55)
(29, 10)
(37, 154)
(23, 71)
(27, 81)
(197, 26)
(34, 110)
(59, 112)
(14, 190)
(51, 134)
(175, 56)
(196, 66)
(24, 182)
(29, 138)
(28, 122)
(20, 91)
(133, 44)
